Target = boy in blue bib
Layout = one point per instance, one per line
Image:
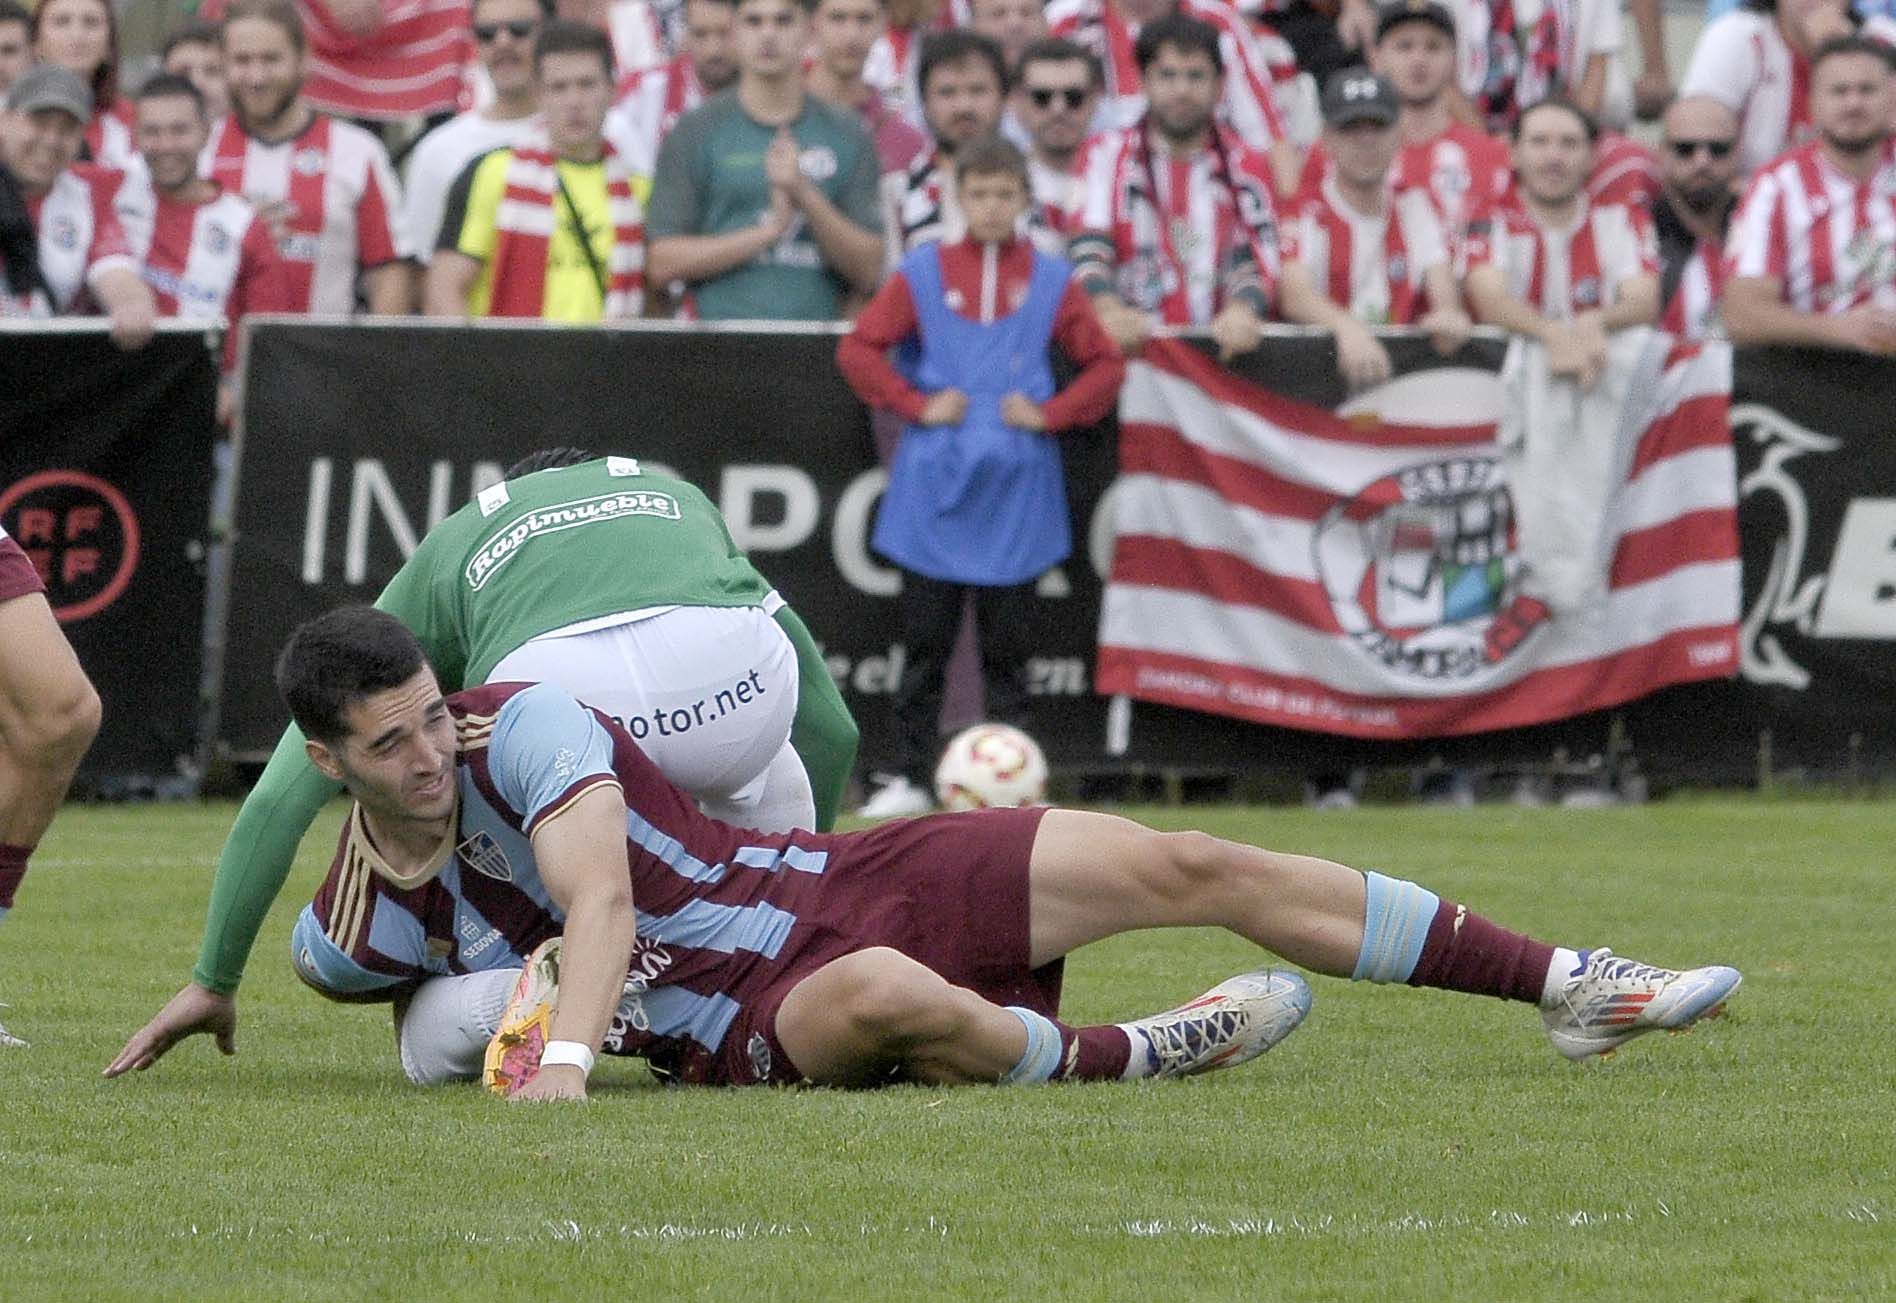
(977, 496)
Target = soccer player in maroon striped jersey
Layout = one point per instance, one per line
(488, 824)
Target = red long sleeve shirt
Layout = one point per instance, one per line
(983, 282)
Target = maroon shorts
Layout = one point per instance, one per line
(17, 575)
(949, 891)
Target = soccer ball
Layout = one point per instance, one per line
(991, 765)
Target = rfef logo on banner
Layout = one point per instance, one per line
(80, 533)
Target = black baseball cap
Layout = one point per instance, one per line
(1359, 95)
(1397, 12)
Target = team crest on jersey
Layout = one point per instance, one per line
(1398, 269)
(759, 1051)
(1586, 292)
(309, 162)
(65, 232)
(818, 163)
(1420, 570)
(216, 238)
(483, 854)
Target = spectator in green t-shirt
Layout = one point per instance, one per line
(764, 198)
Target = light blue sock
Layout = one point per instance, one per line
(1042, 1057)
(3, 913)
(1396, 918)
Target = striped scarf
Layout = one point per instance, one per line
(531, 209)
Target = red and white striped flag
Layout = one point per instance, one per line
(1334, 571)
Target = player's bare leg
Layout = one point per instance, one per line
(1094, 875)
(49, 715)
(860, 1019)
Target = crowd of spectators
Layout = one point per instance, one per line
(1199, 163)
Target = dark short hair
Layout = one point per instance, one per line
(939, 49)
(1588, 122)
(337, 659)
(196, 32)
(11, 11)
(547, 459)
(994, 155)
(1838, 46)
(807, 6)
(561, 36)
(172, 85)
(281, 12)
(546, 8)
(1184, 34)
(1058, 49)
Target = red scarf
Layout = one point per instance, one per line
(531, 209)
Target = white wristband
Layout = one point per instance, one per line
(567, 1054)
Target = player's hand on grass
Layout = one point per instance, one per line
(561, 1081)
(191, 1011)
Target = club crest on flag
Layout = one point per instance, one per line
(1417, 564)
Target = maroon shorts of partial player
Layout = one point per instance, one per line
(949, 891)
(17, 575)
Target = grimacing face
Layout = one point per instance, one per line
(398, 757)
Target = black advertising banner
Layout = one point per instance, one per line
(106, 463)
(1815, 433)
(357, 439)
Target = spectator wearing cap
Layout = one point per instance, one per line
(1057, 90)
(1461, 168)
(551, 227)
(1358, 253)
(1177, 225)
(1559, 269)
(963, 81)
(59, 240)
(846, 31)
(194, 51)
(1811, 257)
(1112, 30)
(1699, 167)
(16, 42)
(764, 200)
(976, 503)
(504, 31)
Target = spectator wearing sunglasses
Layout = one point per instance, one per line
(503, 37)
(1058, 88)
(1698, 172)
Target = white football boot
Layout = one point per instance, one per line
(1608, 1001)
(8, 1041)
(1232, 1023)
(896, 799)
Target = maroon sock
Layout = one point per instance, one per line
(1092, 1053)
(12, 869)
(1466, 952)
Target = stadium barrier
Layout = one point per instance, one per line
(358, 436)
(106, 474)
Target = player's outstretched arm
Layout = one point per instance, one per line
(250, 872)
(824, 733)
(582, 859)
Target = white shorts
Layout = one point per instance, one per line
(708, 692)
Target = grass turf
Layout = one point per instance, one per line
(1402, 1144)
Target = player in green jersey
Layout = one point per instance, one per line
(626, 589)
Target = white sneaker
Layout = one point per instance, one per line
(1610, 1000)
(896, 799)
(1232, 1023)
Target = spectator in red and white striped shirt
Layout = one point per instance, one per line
(1692, 212)
(196, 51)
(324, 186)
(203, 251)
(1248, 102)
(650, 100)
(79, 247)
(1811, 258)
(1558, 268)
(1177, 224)
(1358, 253)
(1058, 89)
(963, 81)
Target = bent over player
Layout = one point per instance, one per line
(625, 588)
(49, 715)
(490, 823)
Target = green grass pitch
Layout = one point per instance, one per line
(1402, 1144)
